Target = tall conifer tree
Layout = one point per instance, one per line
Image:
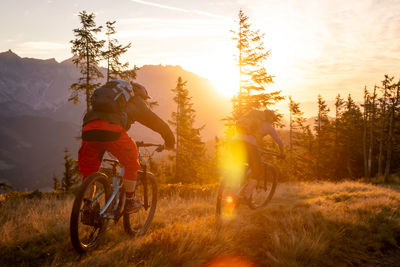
(254, 78)
(296, 124)
(113, 53)
(71, 174)
(87, 54)
(190, 150)
(386, 84)
(392, 108)
(322, 135)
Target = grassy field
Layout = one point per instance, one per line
(306, 224)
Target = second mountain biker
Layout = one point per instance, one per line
(116, 105)
(252, 127)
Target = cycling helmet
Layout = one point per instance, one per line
(121, 87)
(270, 115)
(140, 90)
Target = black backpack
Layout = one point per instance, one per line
(110, 98)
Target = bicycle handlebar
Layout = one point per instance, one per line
(143, 144)
(272, 153)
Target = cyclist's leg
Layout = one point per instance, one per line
(125, 150)
(88, 158)
(255, 164)
(89, 161)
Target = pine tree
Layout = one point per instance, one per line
(115, 68)
(322, 136)
(386, 83)
(337, 148)
(353, 135)
(372, 125)
(87, 54)
(56, 183)
(254, 78)
(366, 116)
(190, 150)
(71, 172)
(393, 105)
(296, 123)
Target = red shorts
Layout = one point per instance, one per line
(124, 149)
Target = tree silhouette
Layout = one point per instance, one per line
(190, 151)
(115, 68)
(87, 55)
(71, 174)
(254, 78)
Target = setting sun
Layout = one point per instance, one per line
(225, 79)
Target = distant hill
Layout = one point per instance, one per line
(40, 87)
(32, 150)
(37, 121)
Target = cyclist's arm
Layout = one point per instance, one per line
(267, 128)
(138, 110)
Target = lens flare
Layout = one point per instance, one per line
(229, 261)
(229, 199)
(231, 163)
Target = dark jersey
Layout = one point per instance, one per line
(136, 110)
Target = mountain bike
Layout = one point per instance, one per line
(101, 198)
(228, 196)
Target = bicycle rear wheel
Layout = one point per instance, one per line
(265, 188)
(86, 224)
(137, 223)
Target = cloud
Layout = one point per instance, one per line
(40, 47)
(164, 21)
(159, 5)
(149, 28)
(193, 11)
(326, 46)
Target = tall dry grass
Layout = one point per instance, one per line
(306, 224)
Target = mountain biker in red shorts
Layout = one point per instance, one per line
(115, 106)
(253, 127)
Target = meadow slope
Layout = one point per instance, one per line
(306, 224)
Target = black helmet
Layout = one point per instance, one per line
(125, 88)
(140, 90)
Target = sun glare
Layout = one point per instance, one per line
(225, 80)
(229, 199)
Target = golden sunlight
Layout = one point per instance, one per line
(229, 199)
(225, 80)
(220, 68)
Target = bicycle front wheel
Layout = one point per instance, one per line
(137, 223)
(86, 223)
(265, 188)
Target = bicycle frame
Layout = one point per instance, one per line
(248, 169)
(117, 185)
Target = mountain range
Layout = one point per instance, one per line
(37, 121)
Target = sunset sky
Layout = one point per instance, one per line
(318, 47)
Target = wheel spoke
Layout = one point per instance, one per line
(139, 221)
(86, 223)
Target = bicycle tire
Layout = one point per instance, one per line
(143, 217)
(219, 202)
(272, 180)
(101, 182)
